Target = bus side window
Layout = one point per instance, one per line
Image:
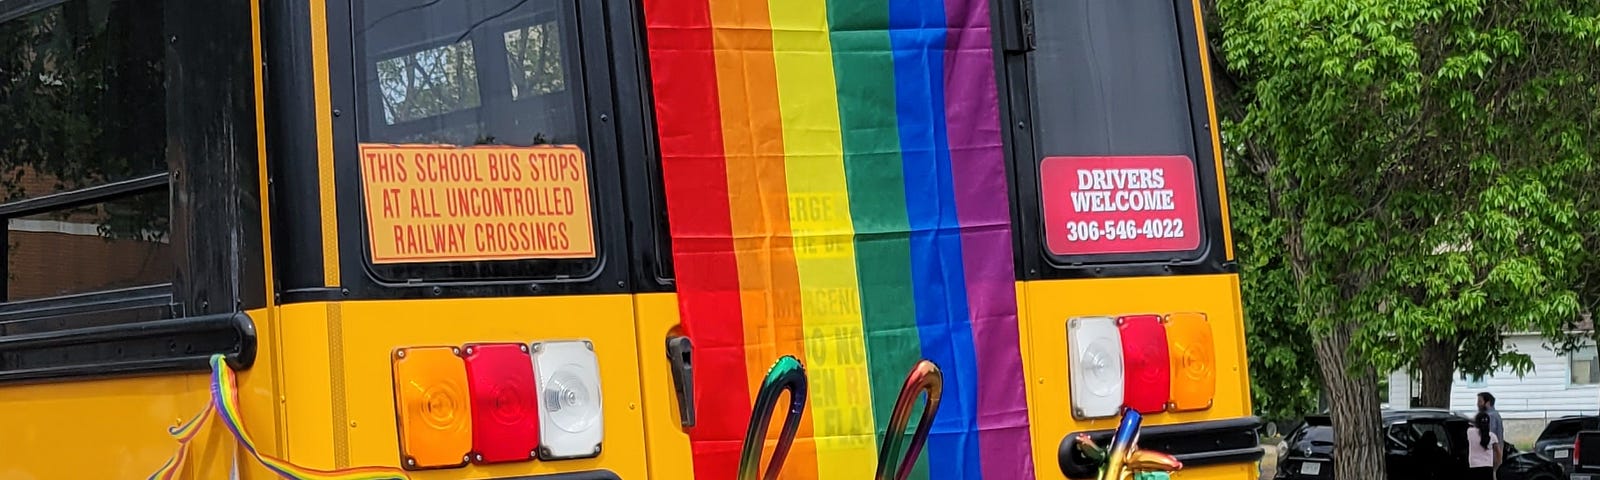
(83, 168)
(128, 188)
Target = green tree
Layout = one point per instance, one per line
(1410, 173)
(1284, 381)
(1283, 377)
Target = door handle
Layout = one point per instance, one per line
(680, 354)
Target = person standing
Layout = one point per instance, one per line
(1483, 449)
(1486, 405)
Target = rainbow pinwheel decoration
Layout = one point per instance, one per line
(1125, 461)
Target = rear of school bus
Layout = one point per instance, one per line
(1128, 287)
(490, 219)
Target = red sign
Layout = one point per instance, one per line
(1100, 205)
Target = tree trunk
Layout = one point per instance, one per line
(1437, 368)
(1357, 425)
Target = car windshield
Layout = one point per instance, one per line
(1561, 430)
(1318, 435)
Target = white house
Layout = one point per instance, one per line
(1559, 385)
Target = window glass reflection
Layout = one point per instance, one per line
(83, 104)
(117, 244)
(534, 54)
(431, 82)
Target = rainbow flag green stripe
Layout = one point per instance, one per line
(875, 174)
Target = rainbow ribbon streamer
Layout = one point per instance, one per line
(184, 434)
(225, 400)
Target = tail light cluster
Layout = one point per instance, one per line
(497, 402)
(1577, 449)
(1148, 363)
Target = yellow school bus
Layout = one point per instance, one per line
(565, 239)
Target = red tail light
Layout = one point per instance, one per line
(1148, 377)
(505, 408)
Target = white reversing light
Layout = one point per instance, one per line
(1096, 366)
(571, 424)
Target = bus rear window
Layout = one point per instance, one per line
(1118, 83)
(470, 72)
(473, 140)
(1122, 154)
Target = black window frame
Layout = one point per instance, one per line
(69, 199)
(625, 184)
(210, 150)
(1017, 37)
(650, 238)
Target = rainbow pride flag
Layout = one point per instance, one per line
(836, 189)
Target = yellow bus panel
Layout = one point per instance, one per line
(340, 396)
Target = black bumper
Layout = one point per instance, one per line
(1195, 444)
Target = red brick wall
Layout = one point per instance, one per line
(43, 264)
(49, 264)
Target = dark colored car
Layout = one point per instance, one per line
(1419, 445)
(1586, 461)
(1555, 442)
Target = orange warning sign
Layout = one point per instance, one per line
(435, 203)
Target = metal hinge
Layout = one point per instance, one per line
(1017, 18)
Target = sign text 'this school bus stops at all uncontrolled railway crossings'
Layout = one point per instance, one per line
(428, 203)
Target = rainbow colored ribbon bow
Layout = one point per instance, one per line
(225, 400)
(789, 374)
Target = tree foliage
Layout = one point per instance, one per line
(1283, 370)
(1284, 382)
(1409, 172)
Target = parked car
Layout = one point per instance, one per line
(1419, 445)
(1555, 442)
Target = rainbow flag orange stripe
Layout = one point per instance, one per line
(836, 190)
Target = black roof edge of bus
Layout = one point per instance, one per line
(176, 345)
(1196, 444)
